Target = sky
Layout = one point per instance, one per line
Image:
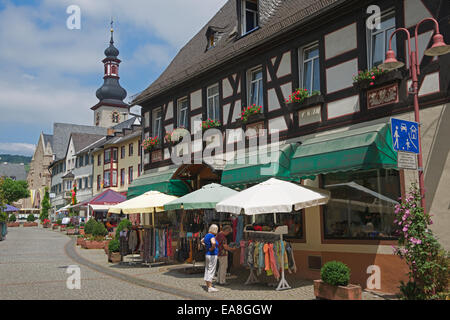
(49, 73)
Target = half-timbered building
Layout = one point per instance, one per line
(260, 52)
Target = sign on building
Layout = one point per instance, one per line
(406, 160)
(405, 135)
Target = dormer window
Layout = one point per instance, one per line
(213, 35)
(212, 41)
(249, 15)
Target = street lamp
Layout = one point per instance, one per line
(439, 48)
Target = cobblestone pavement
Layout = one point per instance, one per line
(32, 261)
(33, 265)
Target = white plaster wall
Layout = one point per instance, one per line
(285, 65)
(196, 99)
(430, 84)
(340, 41)
(226, 111)
(415, 11)
(237, 111)
(278, 123)
(169, 113)
(341, 76)
(227, 89)
(274, 104)
(343, 107)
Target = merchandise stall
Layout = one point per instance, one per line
(197, 215)
(152, 238)
(263, 247)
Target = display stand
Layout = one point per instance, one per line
(279, 231)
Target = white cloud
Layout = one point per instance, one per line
(17, 148)
(158, 55)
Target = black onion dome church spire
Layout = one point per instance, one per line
(111, 93)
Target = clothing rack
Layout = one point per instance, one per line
(278, 232)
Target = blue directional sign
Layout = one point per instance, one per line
(405, 135)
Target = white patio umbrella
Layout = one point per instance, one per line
(273, 196)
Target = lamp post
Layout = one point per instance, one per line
(439, 48)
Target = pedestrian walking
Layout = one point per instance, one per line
(210, 242)
(223, 254)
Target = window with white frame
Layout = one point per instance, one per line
(213, 111)
(310, 67)
(378, 39)
(255, 92)
(249, 15)
(157, 122)
(182, 113)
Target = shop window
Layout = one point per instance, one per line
(361, 204)
(378, 39)
(310, 67)
(293, 220)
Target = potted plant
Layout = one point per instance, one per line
(95, 232)
(210, 123)
(113, 251)
(13, 221)
(252, 114)
(150, 143)
(303, 98)
(30, 221)
(334, 283)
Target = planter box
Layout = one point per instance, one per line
(30, 224)
(389, 77)
(308, 102)
(55, 227)
(114, 257)
(80, 241)
(46, 226)
(93, 244)
(324, 290)
(13, 224)
(71, 232)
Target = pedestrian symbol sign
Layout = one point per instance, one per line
(405, 135)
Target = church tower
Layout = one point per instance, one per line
(111, 110)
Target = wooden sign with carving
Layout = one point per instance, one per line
(382, 96)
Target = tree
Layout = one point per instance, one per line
(12, 191)
(45, 206)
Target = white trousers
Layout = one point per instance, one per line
(210, 267)
(223, 265)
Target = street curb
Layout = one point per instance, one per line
(71, 252)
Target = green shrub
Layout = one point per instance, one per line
(335, 273)
(31, 218)
(124, 224)
(89, 227)
(59, 222)
(114, 246)
(99, 229)
(12, 218)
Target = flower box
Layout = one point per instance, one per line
(90, 244)
(80, 241)
(385, 78)
(30, 224)
(71, 232)
(326, 291)
(55, 226)
(311, 101)
(114, 257)
(257, 117)
(13, 224)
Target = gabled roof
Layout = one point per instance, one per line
(276, 17)
(62, 132)
(15, 170)
(82, 140)
(107, 197)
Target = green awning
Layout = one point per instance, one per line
(256, 168)
(359, 149)
(204, 198)
(158, 181)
